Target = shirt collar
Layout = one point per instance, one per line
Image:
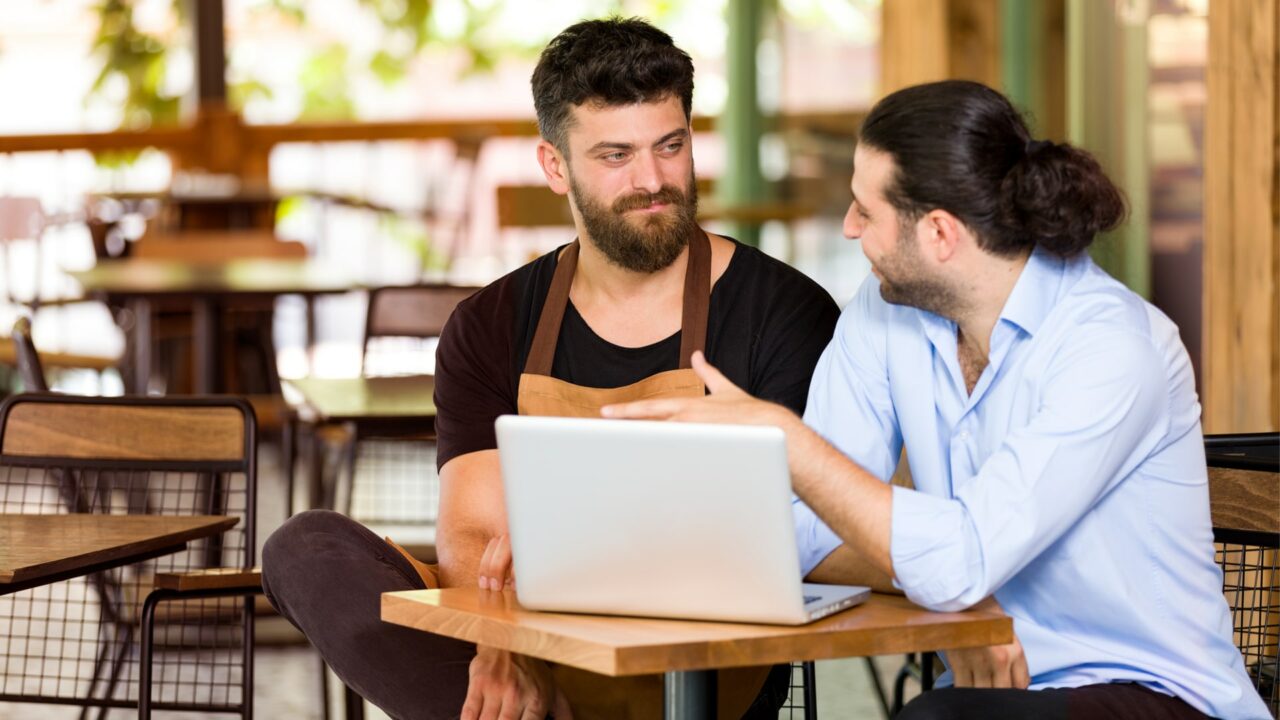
(1036, 292)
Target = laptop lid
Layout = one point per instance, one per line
(651, 518)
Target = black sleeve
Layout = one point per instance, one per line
(799, 322)
(473, 374)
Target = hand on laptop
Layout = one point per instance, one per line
(495, 565)
(503, 684)
(727, 403)
(995, 666)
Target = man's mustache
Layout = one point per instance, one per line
(667, 194)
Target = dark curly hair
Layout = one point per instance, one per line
(962, 147)
(616, 61)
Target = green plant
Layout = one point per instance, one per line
(138, 59)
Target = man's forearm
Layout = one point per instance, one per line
(845, 566)
(851, 501)
(459, 551)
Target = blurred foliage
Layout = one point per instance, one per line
(325, 84)
(412, 234)
(137, 59)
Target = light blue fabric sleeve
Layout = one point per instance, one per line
(1102, 410)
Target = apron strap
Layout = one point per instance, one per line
(543, 350)
(697, 298)
(693, 321)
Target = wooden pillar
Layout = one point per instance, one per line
(208, 31)
(1241, 389)
(926, 40)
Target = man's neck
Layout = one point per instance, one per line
(624, 307)
(988, 288)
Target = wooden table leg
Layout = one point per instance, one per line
(142, 340)
(689, 695)
(205, 332)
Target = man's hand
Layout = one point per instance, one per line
(495, 565)
(727, 403)
(995, 666)
(506, 686)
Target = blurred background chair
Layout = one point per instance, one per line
(18, 351)
(88, 641)
(397, 453)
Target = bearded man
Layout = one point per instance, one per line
(616, 315)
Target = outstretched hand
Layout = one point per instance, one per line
(726, 403)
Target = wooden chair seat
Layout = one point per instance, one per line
(97, 363)
(211, 579)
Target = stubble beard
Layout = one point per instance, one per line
(904, 280)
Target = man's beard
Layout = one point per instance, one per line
(904, 279)
(659, 240)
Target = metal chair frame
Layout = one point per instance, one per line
(95, 483)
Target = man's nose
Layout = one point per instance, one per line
(852, 224)
(647, 173)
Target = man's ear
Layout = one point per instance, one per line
(555, 167)
(941, 233)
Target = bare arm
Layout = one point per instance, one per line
(472, 513)
(845, 566)
(472, 516)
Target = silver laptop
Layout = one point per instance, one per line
(656, 519)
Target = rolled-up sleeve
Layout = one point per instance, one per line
(1101, 414)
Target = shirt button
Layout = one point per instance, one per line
(962, 435)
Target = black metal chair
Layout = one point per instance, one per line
(1244, 497)
(174, 633)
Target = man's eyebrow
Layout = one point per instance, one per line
(610, 146)
(679, 133)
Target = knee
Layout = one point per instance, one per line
(302, 535)
(933, 705)
(305, 548)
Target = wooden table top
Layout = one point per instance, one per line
(884, 625)
(46, 548)
(366, 398)
(141, 277)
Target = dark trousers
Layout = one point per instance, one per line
(326, 573)
(1118, 701)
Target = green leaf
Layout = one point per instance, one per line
(326, 93)
(388, 68)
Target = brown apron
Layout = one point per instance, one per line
(592, 695)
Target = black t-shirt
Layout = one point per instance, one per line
(767, 325)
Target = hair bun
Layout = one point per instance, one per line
(1059, 196)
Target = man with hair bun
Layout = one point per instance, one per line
(1049, 414)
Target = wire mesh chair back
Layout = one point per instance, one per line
(1244, 488)
(399, 319)
(77, 642)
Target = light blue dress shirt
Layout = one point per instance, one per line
(1071, 484)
